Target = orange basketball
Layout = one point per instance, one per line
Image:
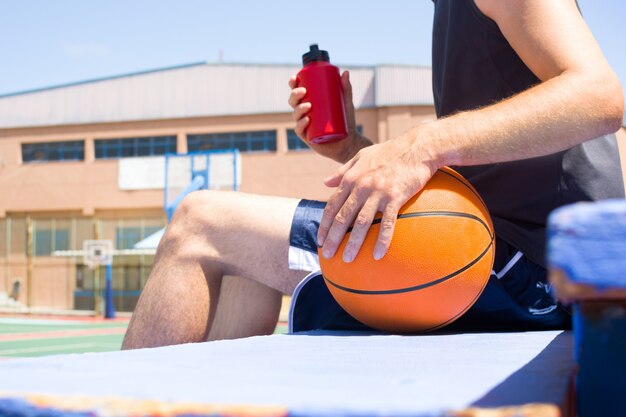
(438, 263)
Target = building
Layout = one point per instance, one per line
(63, 151)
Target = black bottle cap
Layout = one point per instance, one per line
(315, 54)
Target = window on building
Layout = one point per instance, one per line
(73, 150)
(258, 141)
(294, 143)
(126, 237)
(46, 241)
(126, 147)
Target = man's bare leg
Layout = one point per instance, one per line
(245, 308)
(214, 234)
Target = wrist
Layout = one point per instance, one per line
(436, 145)
(353, 146)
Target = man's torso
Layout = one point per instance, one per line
(474, 66)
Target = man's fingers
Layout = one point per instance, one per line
(301, 125)
(340, 224)
(348, 104)
(296, 95)
(387, 226)
(347, 87)
(300, 110)
(360, 228)
(334, 204)
(293, 82)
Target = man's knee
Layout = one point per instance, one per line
(196, 219)
(201, 208)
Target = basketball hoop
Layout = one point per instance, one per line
(97, 252)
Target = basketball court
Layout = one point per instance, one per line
(30, 335)
(26, 336)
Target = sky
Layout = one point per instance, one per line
(46, 43)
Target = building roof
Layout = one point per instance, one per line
(200, 89)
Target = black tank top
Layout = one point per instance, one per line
(473, 66)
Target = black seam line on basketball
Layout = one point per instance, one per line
(434, 214)
(459, 314)
(465, 185)
(415, 288)
(456, 316)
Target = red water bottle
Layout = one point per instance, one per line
(327, 117)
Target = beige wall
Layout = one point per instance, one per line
(393, 121)
(87, 191)
(90, 185)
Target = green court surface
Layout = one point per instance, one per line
(23, 337)
(28, 337)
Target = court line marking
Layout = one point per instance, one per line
(13, 320)
(108, 346)
(61, 333)
(47, 348)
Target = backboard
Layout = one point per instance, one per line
(220, 170)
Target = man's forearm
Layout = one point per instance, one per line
(552, 116)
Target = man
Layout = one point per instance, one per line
(521, 88)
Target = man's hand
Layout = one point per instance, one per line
(380, 178)
(340, 151)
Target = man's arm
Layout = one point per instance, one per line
(579, 98)
(341, 151)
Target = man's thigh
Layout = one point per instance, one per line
(241, 234)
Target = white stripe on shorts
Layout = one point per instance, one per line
(303, 260)
(509, 265)
(294, 298)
